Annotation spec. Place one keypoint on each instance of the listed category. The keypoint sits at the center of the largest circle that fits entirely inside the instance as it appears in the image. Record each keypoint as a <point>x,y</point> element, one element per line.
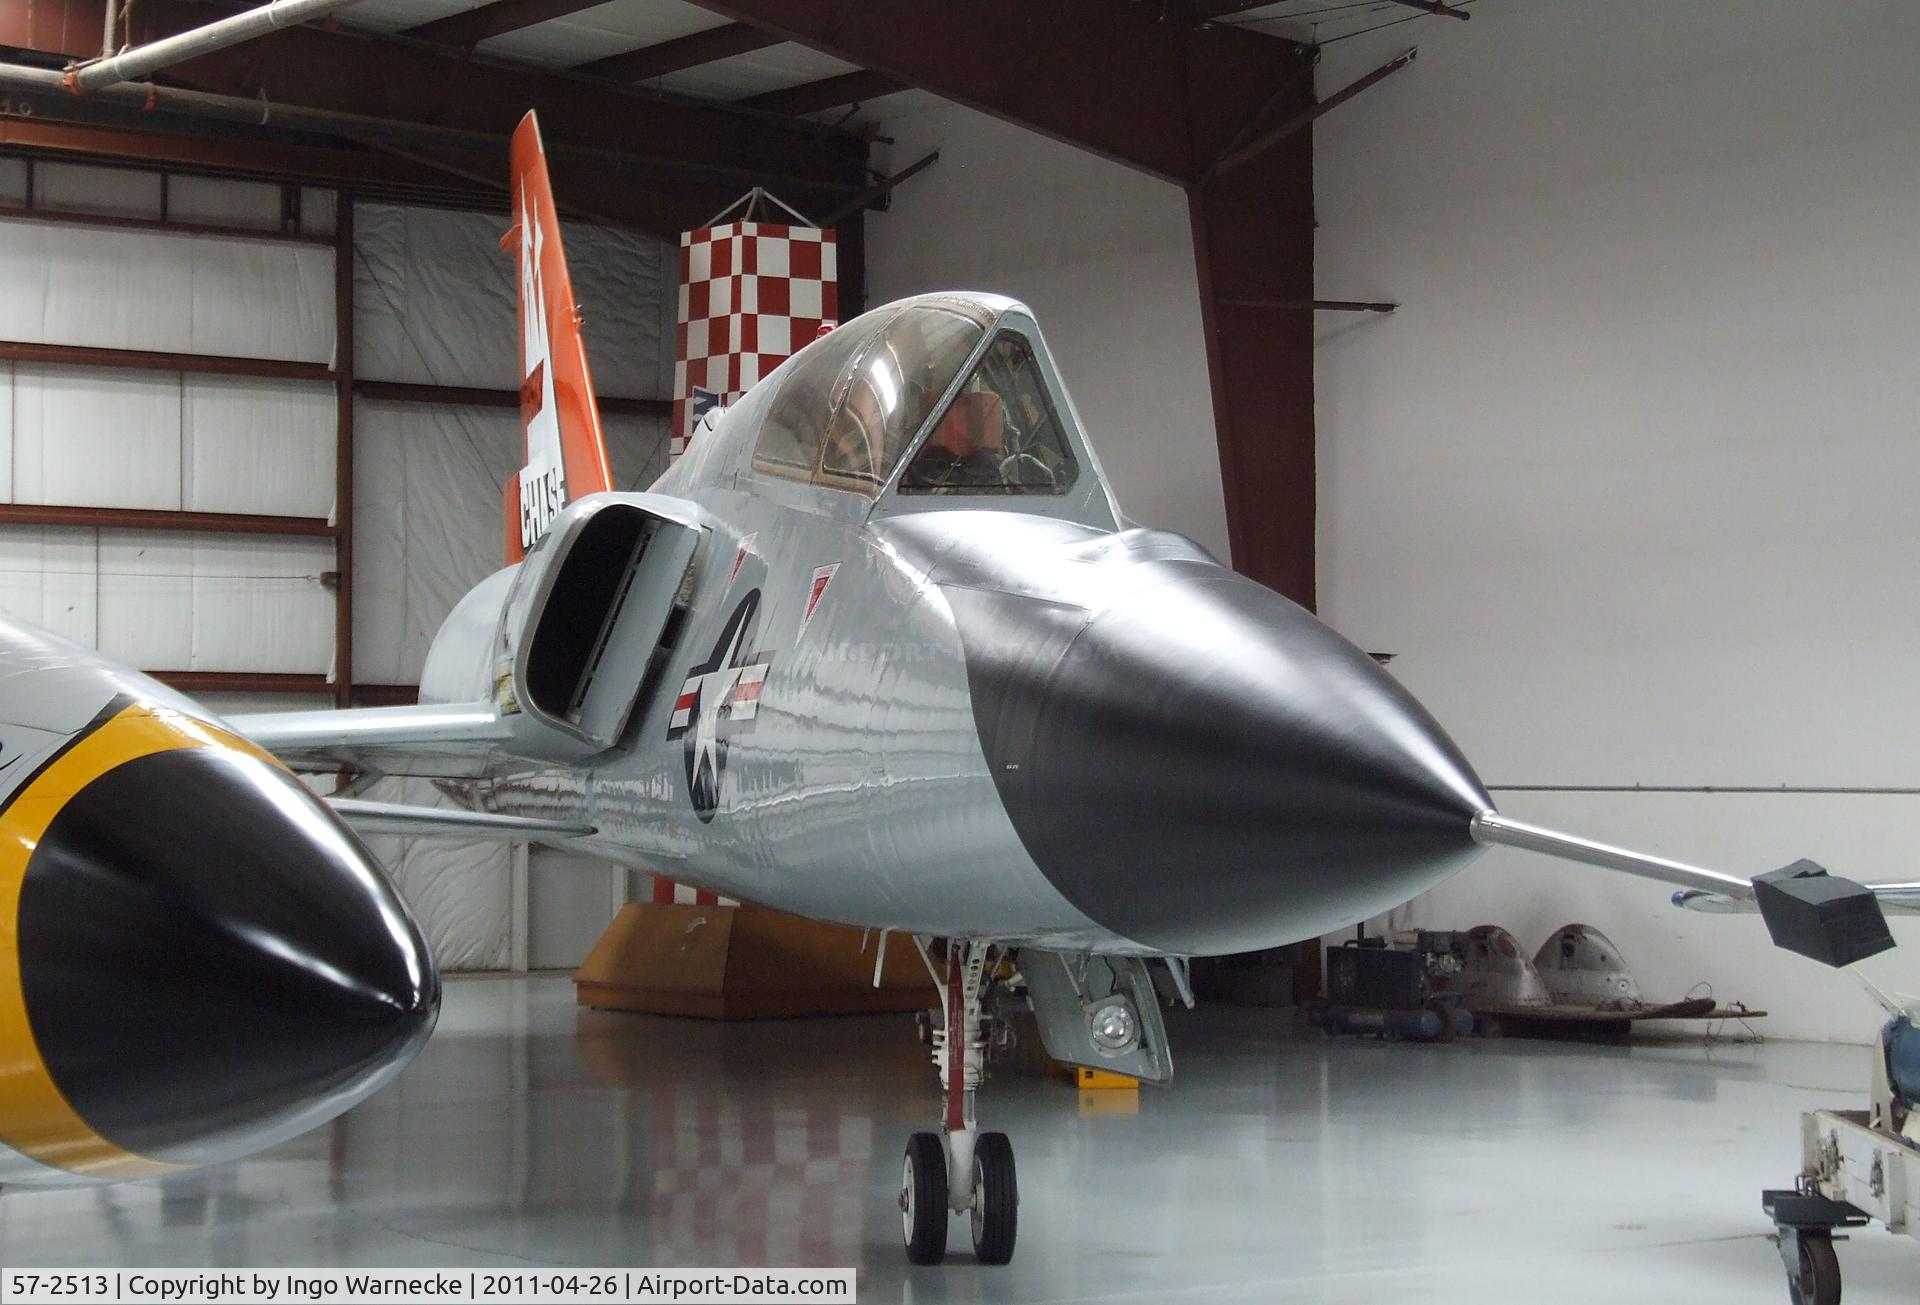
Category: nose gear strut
<point>960,1169</point>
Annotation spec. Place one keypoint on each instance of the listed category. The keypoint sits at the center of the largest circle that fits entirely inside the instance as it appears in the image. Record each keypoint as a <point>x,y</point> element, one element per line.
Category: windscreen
<point>857,399</point>
<point>1000,435</point>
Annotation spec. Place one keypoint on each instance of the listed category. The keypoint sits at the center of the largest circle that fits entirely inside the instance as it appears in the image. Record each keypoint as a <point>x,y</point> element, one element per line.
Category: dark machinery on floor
<point>1856,1166</point>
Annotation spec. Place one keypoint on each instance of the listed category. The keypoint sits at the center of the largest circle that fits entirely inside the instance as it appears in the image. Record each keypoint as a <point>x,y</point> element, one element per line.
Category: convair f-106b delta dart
<point>882,649</point>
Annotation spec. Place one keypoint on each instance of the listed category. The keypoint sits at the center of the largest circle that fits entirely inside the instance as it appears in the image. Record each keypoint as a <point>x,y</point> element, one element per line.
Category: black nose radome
<point>210,962</point>
<point>1203,767</point>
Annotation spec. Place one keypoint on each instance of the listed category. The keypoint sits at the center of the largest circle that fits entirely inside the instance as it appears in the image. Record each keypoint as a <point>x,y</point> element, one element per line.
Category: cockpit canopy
<point>851,405</point>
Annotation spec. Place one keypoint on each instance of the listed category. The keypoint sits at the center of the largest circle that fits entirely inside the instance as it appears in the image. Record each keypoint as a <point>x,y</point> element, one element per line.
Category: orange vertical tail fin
<point>565,449</point>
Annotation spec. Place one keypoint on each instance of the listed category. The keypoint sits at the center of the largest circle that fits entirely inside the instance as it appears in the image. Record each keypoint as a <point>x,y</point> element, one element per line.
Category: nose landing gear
<point>959,1169</point>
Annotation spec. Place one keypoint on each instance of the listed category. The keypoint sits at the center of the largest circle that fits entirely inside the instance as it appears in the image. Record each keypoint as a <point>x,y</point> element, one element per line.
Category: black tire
<point>1818,1282</point>
<point>996,1199</point>
<point>923,1199</point>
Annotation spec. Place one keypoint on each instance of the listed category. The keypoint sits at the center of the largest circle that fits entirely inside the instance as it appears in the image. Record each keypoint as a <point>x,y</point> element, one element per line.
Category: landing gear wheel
<point>996,1199</point>
<point>1818,1282</point>
<point>923,1199</point>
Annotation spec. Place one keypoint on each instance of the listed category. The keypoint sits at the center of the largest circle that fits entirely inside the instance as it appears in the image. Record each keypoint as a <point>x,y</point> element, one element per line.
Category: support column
<point>343,448</point>
<point>1253,240</point>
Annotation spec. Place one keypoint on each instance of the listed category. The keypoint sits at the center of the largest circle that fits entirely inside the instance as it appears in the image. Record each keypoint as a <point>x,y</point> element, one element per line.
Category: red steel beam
<point>386,695</point>
<point>152,146</point>
<point>211,523</point>
<point>827,93</point>
<point>243,682</point>
<point>156,224</point>
<point>1313,305</point>
<point>1212,9</point>
<point>69,27</point>
<point>343,449</point>
<point>364,695</point>
<point>470,27</point>
<point>1253,243</point>
<point>1154,89</point>
<point>410,392</point>
<point>200,364</point>
<point>663,207</point>
<point>1268,139</point>
<point>679,54</point>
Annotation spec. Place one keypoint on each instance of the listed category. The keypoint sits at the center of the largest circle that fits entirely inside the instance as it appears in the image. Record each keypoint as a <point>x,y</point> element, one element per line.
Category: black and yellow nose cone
<point>208,961</point>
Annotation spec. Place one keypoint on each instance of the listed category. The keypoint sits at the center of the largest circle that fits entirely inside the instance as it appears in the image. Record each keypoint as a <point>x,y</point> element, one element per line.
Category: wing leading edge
<point>433,741</point>
<point>394,818</point>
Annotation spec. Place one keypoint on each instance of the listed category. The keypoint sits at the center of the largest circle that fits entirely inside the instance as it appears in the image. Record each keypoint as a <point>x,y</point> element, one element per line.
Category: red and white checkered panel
<point>744,1180</point>
<point>752,294</point>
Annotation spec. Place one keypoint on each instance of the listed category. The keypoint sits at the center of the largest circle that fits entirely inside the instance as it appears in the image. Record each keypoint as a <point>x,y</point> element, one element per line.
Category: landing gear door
<point>1099,1011</point>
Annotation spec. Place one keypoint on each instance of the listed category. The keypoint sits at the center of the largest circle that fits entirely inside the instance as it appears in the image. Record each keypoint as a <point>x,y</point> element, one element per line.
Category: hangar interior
<point>1567,366</point>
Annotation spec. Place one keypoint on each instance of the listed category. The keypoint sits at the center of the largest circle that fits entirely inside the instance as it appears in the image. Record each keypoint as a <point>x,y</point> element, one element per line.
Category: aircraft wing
<point>393,818</point>
<point>434,741</point>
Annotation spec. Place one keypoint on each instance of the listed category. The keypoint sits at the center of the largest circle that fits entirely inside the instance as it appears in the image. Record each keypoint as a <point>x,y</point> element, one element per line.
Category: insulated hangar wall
<point>175,503</point>
<point>1627,480</point>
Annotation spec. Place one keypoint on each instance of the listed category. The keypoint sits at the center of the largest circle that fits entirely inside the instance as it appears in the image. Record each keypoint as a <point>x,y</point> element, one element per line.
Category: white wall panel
<point>636,450</point>
<point>265,300</point>
<point>569,905</point>
<point>427,517</point>
<point>458,891</point>
<point>96,437</point>
<point>317,208</point>
<point>215,602</point>
<point>80,285</point>
<point>165,291</point>
<point>1627,479</point>
<point>247,704</point>
<point>1104,257</point>
<point>78,188</point>
<point>146,599</point>
<point>223,201</point>
<point>259,604</point>
<point>6,432</point>
<point>49,576</point>
<point>13,181</point>
<point>427,523</point>
<point>435,300</point>
<point>258,445</point>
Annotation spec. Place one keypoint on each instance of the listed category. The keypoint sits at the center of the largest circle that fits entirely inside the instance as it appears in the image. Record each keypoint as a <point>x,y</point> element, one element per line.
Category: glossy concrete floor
<point>1276,1168</point>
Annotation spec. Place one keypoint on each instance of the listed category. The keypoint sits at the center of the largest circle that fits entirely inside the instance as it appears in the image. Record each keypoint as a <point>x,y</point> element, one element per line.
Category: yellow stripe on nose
<point>36,1119</point>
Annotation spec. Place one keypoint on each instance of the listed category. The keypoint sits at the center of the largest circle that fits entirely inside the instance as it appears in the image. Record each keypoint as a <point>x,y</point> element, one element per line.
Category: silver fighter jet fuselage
<point>975,711</point>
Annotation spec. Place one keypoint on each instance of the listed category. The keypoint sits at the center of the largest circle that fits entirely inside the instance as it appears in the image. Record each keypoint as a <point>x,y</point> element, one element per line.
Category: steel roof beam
<point>1157,91</point>
<point>827,93</point>
<point>472,26</point>
<point>302,70</point>
<point>679,54</point>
